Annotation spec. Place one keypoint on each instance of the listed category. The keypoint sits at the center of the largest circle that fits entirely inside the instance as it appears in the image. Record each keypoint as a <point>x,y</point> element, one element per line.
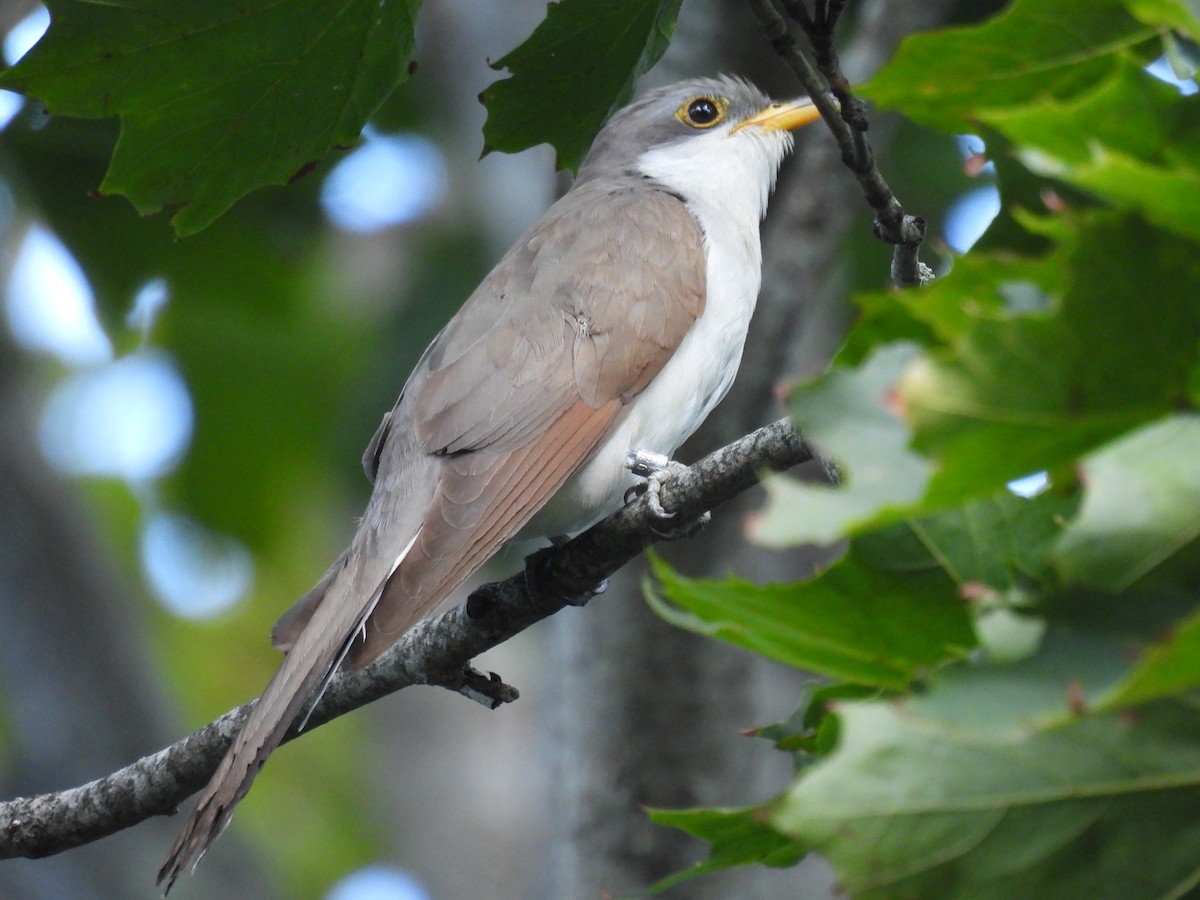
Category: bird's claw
<point>684,530</point>
<point>657,468</point>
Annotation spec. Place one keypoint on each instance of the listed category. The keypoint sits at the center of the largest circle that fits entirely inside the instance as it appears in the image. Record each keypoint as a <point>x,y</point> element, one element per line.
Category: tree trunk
<point>649,715</point>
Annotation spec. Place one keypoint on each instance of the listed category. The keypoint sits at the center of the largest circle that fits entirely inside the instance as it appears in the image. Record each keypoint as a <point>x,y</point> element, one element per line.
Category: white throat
<point>732,173</point>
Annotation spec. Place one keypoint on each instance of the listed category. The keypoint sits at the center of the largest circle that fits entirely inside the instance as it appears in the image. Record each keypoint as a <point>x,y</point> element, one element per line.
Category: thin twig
<point>775,28</point>
<point>437,651</point>
<point>847,120</point>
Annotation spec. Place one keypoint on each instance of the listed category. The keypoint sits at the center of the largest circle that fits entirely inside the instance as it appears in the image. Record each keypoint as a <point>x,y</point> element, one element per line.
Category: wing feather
<point>613,301</point>
<point>529,378</point>
<point>504,491</point>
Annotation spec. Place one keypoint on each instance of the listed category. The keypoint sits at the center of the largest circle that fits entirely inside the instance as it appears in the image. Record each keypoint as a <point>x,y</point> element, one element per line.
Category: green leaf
<point>1068,673</point>
<point>1133,140</point>
<point>1001,541</point>
<point>1104,806</point>
<point>812,730</point>
<point>218,98</point>
<point>1072,93</point>
<point>1143,494</point>
<point>1130,111</point>
<point>1033,51</point>
<point>847,416</point>
<point>580,65</point>
<point>739,837</point>
<point>1026,394</point>
<point>1182,15</point>
<point>854,622</point>
<point>996,550</point>
<point>1170,666</point>
<point>980,285</point>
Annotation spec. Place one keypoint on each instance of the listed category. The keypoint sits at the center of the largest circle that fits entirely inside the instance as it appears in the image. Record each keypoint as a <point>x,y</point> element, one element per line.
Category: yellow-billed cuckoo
<point>615,324</point>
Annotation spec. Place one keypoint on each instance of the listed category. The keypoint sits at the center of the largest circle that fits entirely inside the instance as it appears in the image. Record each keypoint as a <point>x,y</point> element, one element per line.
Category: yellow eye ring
<point>702,112</point>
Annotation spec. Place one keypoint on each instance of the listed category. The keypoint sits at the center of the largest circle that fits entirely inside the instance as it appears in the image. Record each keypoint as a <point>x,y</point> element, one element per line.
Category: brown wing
<point>533,372</point>
<point>588,306</point>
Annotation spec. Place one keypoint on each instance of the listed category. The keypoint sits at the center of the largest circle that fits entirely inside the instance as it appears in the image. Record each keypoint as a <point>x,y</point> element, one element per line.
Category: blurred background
<point>181,424</point>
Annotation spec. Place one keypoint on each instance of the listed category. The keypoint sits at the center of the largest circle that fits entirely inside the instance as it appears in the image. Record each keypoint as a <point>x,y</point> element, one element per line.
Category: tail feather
<point>356,635</point>
<point>287,628</point>
<point>295,687</point>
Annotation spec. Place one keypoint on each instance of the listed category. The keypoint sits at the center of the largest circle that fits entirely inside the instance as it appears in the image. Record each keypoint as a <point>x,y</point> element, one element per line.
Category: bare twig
<point>847,120</point>
<point>437,651</point>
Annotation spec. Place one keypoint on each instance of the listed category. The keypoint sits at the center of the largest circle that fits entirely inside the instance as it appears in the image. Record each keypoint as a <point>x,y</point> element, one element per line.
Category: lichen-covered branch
<point>437,651</point>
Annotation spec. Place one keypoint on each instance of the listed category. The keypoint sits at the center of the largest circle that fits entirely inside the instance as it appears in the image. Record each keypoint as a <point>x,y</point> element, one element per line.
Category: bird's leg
<point>657,468</point>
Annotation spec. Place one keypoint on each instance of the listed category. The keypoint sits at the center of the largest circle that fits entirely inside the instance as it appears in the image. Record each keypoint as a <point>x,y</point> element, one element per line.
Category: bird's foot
<point>533,562</point>
<point>657,468</point>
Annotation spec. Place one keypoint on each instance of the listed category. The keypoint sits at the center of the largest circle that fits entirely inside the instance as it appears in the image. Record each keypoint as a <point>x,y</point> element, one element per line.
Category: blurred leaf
<point>1130,111</point>
<point>218,98</point>
<point>1134,140</point>
<point>1104,806</point>
<point>1170,666</point>
<point>284,374</point>
<point>739,837</point>
<point>1033,51</point>
<point>854,622</point>
<point>1183,15</point>
<point>1142,505</point>
<point>979,285</point>
<point>1025,394</point>
<point>243,326</point>
<point>812,730</point>
<point>847,416</point>
<point>1068,673</point>
<point>997,541</point>
<point>1022,193</point>
<point>580,66</point>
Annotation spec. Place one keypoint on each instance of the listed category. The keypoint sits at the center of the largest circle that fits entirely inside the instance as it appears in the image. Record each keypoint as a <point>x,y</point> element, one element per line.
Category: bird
<point>613,325</point>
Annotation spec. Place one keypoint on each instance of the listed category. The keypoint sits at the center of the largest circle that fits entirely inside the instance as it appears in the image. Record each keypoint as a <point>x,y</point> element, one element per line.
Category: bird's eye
<point>701,112</point>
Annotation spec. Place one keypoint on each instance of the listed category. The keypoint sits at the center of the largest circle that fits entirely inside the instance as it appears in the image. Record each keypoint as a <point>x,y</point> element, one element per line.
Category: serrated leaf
<point>1105,806</point>
<point>853,622</point>
<point>739,837</point>
<point>579,66</point>
<point>218,98</point>
<point>1032,51</point>
<point>812,729</point>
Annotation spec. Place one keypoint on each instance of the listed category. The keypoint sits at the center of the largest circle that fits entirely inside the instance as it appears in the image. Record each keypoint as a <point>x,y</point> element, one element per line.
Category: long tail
<point>305,670</point>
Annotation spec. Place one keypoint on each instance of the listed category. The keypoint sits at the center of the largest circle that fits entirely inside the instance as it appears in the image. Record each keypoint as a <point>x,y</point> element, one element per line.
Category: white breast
<point>726,179</point>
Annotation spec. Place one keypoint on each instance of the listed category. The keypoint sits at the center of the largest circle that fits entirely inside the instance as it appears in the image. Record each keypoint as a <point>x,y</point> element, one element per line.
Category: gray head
<point>699,136</point>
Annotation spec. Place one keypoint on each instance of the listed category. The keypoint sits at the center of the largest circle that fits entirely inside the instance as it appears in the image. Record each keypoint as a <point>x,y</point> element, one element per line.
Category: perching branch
<point>845,115</point>
<point>437,651</point>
